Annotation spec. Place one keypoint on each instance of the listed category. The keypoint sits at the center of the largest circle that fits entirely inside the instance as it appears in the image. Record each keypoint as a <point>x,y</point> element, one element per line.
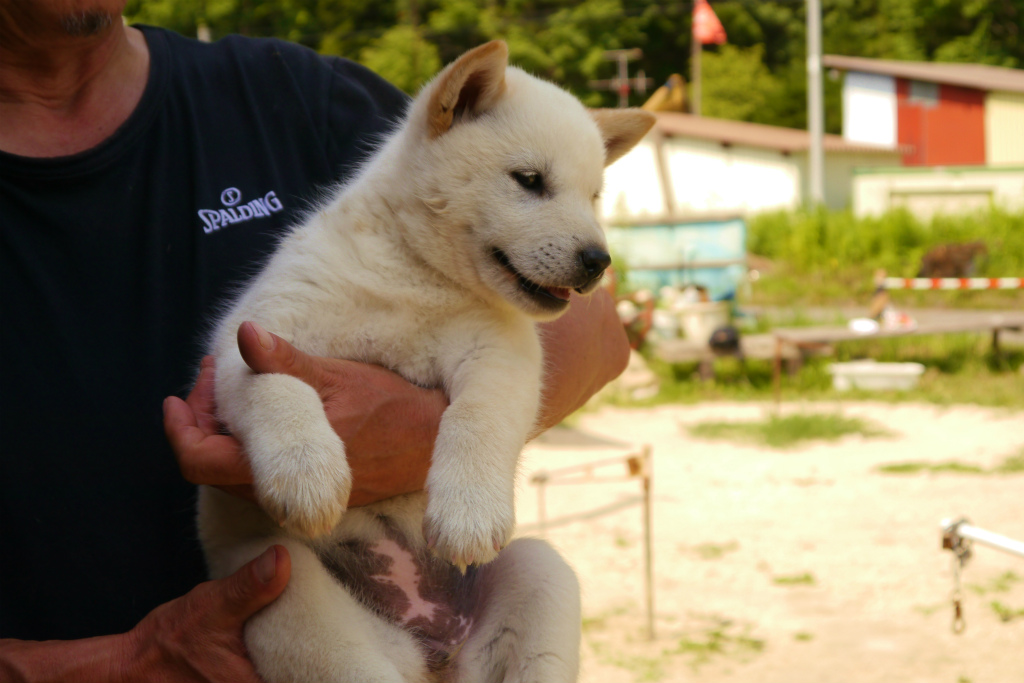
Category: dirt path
<point>790,566</point>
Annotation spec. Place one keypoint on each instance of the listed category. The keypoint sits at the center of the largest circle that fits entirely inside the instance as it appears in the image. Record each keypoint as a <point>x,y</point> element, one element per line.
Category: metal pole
<point>954,529</point>
<point>815,105</point>
<point>623,80</point>
<point>648,552</point>
<point>542,513</point>
<point>695,52</point>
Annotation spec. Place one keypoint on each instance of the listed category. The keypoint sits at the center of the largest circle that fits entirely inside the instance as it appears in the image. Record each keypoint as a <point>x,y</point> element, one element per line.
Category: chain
<point>959,623</point>
<point>961,549</point>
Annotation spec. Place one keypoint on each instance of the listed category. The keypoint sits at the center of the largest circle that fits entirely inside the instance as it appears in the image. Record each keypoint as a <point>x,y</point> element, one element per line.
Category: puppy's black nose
<point>594,261</point>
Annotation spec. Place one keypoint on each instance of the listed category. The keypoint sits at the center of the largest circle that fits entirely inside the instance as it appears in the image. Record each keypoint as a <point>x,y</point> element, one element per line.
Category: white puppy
<point>472,221</point>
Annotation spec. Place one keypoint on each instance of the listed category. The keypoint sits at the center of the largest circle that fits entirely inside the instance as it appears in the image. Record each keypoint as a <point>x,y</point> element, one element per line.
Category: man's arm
<point>388,425</point>
<point>194,639</point>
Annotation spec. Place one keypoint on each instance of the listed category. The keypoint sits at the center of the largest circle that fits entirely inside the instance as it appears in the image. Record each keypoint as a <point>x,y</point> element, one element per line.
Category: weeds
<point>949,467</point>
<point>959,368</point>
<point>717,641</point>
<point>789,430</point>
<point>1001,584</point>
<point>1014,464</point>
<point>1005,613</point>
<point>711,639</point>
<point>805,579</point>
<point>712,551</point>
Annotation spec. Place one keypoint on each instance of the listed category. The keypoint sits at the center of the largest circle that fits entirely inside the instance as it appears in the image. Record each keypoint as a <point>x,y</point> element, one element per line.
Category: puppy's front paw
<point>466,526</point>
<point>307,486</point>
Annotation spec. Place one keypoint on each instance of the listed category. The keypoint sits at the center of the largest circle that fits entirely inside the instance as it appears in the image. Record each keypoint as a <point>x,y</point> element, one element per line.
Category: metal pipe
<point>815,105</point>
<point>954,529</point>
<point>648,544</point>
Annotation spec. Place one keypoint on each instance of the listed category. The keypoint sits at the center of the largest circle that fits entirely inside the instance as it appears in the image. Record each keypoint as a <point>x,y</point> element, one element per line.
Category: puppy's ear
<point>621,129</point>
<point>468,86</point>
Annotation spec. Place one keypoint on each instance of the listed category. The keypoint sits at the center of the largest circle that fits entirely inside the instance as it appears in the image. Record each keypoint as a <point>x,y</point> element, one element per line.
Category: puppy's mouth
<point>549,297</point>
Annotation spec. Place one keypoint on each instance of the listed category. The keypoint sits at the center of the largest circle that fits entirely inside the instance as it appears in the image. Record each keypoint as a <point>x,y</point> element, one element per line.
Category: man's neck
<point>61,94</point>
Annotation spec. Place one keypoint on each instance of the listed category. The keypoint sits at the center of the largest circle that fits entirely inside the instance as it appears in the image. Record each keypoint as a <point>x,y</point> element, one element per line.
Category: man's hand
<point>583,350</point>
<point>387,424</point>
<point>194,639</point>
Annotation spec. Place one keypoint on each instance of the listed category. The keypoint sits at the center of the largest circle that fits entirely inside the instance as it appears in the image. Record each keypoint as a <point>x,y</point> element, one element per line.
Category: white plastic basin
<point>872,375</point>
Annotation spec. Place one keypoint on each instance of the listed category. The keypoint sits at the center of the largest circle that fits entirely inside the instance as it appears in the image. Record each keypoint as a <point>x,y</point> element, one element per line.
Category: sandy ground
<point>868,589</point>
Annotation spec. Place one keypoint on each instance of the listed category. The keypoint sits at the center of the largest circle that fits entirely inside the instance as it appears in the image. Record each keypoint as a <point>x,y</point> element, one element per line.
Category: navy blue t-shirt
<point>112,265</point>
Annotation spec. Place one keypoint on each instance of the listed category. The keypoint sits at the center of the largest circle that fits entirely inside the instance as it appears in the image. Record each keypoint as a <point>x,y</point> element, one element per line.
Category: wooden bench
<point>757,346</point>
<point>807,339</point>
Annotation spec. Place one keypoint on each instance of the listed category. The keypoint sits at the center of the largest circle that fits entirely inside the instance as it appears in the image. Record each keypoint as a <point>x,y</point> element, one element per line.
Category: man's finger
<point>265,352</point>
<point>201,399</point>
<point>203,458</point>
<point>250,589</point>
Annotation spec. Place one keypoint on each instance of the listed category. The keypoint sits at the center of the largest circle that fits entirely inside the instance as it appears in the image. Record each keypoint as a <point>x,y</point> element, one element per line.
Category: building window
<point>924,93</point>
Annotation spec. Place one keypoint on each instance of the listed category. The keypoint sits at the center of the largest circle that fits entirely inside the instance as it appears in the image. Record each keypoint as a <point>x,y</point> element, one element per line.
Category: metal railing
<point>958,537</point>
<point>638,466</point>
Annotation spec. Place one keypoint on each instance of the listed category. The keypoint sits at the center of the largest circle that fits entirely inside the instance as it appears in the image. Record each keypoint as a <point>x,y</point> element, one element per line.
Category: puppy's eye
<point>529,180</point>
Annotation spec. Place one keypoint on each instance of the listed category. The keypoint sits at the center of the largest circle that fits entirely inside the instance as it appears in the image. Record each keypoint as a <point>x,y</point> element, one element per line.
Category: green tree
<point>402,56</point>
<point>736,83</point>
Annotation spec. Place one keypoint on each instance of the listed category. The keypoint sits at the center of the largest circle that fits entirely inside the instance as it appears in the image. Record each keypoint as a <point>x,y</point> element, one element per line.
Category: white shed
<point>691,166</point>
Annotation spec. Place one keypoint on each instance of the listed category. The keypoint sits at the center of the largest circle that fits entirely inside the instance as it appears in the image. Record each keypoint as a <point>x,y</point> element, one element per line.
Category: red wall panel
<point>945,132</point>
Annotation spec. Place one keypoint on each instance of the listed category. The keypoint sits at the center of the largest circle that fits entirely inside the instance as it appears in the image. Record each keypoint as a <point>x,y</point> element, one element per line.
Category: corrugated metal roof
<point>728,132</point>
<point>978,76</point>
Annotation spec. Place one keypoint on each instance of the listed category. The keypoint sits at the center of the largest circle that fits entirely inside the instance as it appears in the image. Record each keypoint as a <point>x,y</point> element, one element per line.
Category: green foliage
<point>832,255</point>
<point>403,57</point>
<point>737,84</point>
<point>563,40</point>
<point>789,430</point>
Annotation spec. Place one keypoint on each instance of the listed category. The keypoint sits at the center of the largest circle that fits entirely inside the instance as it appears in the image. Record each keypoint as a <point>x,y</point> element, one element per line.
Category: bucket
<point>700,319</point>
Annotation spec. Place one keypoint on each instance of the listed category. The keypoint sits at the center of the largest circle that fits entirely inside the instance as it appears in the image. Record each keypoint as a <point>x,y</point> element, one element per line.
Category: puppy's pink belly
<point>415,590</point>
<point>428,603</point>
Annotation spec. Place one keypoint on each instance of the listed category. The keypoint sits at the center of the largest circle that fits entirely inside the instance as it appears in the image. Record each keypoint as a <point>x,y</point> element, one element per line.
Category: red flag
<point>706,26</point>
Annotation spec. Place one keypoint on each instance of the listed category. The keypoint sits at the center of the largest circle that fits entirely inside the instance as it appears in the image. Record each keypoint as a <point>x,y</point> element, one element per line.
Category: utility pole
<point>621,83</point>
<point>815,105</point>
<point>696,50</point>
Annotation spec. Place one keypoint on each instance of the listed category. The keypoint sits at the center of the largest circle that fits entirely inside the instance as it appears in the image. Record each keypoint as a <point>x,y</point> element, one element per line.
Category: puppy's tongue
<point>558,292</point>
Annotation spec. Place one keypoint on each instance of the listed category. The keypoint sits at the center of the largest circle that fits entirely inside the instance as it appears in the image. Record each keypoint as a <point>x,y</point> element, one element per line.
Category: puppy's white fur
<point>410,267</point>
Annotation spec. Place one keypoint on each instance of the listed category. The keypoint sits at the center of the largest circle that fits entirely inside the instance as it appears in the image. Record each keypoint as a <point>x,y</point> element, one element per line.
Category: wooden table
<point>805,339</point>
<point>758,346</point>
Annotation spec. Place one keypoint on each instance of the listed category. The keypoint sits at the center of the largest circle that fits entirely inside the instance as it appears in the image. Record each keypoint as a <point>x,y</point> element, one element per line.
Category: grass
<point>1001,584</point>
<point>713,551</point>
<point>788,431</point>
<point>959,368</point>
<point>717,641</point>
<point>1013,464</point>
<point>805,579</point>
<point>822,258</point>
<point>1006,613</point>
<point>712,638</point>
<point>917,467</point>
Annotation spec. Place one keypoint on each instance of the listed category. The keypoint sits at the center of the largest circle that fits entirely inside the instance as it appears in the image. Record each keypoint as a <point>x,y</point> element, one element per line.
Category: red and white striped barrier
<point>954,283</point>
